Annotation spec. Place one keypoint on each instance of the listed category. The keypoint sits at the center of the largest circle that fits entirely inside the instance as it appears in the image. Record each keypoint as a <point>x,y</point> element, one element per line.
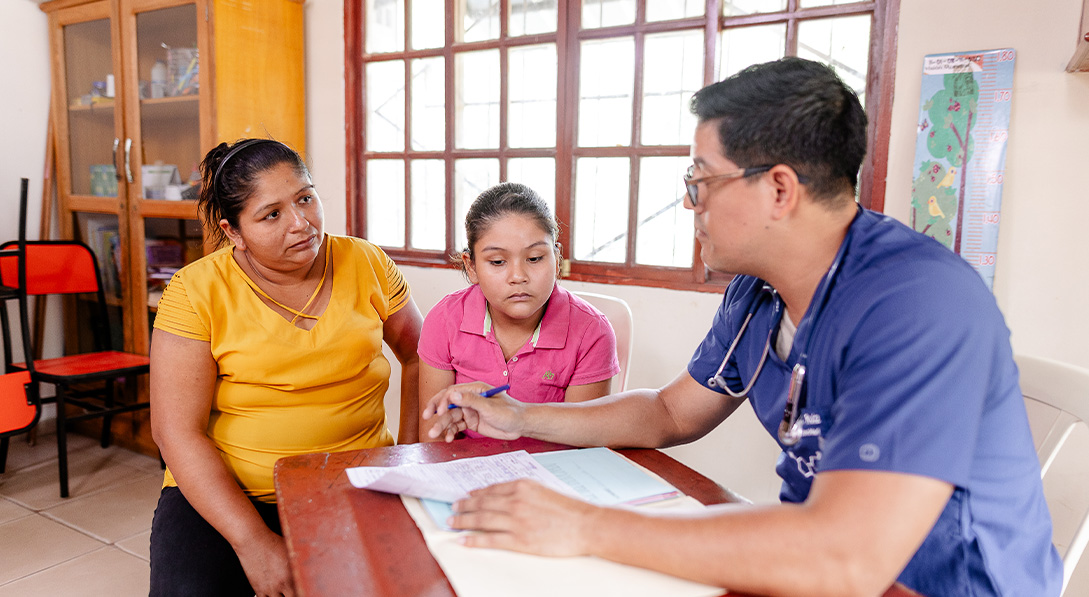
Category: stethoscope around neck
<point>790,428</point>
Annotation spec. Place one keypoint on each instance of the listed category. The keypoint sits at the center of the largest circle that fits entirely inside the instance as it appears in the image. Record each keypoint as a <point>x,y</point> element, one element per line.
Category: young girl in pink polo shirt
<point>515,325</point>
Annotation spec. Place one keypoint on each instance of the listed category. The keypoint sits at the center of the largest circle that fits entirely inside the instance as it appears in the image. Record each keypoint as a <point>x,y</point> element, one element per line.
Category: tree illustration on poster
<point>955,107</point>
<point>951,112</point>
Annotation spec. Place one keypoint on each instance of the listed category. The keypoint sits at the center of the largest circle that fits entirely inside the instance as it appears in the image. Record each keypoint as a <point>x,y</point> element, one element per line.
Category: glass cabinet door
<point>168,86</point>
<point>165,79</point>
<point>90,90</point>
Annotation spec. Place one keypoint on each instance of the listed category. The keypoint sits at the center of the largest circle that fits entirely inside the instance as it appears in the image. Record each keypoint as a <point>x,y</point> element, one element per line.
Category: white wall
<point>24,114</point>
<point>1040,282</point>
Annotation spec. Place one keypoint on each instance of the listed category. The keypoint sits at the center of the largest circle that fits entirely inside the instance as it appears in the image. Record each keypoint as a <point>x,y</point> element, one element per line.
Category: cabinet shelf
<point>176,99</point>
<point>167,108</point>
<point>92,204</point>
<point>185,209</point>
<point>103,107</point>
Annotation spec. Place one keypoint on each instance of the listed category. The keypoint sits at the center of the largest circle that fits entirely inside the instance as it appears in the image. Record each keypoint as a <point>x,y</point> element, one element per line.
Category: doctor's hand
<point>525,516</point>
<point>499,416</point>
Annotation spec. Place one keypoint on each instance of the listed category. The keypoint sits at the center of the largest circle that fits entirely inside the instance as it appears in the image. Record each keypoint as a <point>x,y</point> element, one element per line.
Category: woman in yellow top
<point>269,347</point>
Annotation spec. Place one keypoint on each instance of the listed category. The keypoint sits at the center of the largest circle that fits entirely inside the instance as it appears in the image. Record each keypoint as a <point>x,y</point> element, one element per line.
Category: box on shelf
<point>103,180</point>
<point>164,252</point>
<point>156,177</point>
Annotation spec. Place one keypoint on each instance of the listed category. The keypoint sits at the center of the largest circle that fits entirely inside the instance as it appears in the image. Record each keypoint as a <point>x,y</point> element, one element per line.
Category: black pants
<point>189,557</point>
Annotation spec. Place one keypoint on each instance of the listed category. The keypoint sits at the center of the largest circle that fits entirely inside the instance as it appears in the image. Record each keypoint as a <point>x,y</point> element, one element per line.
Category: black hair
<point>229,175</point>
<point>501,200</point>
<point>790,111</point>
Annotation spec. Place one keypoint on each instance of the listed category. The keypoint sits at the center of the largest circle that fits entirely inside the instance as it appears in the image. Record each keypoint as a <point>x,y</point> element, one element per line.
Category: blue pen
<point>486,394</point>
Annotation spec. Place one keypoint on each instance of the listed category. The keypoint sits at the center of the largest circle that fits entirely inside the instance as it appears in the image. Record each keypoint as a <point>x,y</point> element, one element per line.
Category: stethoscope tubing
<point>790,429</point>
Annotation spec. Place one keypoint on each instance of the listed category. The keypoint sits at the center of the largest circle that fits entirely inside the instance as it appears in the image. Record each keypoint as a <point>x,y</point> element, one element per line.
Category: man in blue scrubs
<point>909,457</point>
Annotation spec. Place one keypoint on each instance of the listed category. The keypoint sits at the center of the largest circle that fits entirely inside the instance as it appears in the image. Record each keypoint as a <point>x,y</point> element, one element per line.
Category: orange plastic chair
<point>86,380</point>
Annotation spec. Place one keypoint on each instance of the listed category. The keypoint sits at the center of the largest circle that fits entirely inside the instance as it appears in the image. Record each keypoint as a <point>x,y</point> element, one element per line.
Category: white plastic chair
<point>1066,389</point>
<point>619,315</point>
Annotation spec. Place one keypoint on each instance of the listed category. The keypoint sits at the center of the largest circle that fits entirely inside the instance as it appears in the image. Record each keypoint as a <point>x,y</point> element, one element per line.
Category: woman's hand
<point>500,416</point>
<point>525,516</point>
<point>264,559</point>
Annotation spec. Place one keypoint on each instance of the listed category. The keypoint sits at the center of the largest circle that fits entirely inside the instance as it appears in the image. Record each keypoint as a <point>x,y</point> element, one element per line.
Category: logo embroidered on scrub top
<point>548,376</point>
<point>806,466</point>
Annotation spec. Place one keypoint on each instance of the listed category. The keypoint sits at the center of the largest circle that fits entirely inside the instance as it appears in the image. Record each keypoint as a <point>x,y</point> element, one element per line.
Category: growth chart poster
<point>960,152</point>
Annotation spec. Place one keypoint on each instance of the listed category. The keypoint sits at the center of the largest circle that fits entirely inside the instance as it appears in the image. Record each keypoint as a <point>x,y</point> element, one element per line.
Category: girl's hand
<point>462,407</point>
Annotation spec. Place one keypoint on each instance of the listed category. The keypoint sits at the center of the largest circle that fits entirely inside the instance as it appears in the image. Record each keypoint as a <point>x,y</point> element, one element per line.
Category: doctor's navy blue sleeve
<point>731,312</point>
<point>916,376</point>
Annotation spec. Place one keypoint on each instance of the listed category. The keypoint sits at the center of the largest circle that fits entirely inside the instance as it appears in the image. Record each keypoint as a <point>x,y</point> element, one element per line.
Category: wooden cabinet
<point>142,89</point>
<point>1080,61</point>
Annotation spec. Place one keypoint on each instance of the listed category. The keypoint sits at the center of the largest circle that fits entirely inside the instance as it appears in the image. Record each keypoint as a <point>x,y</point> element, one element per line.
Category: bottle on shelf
<point>158,79</point>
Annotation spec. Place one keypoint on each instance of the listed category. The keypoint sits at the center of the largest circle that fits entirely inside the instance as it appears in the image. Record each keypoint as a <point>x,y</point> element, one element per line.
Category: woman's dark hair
<point>791,111</point>
<point>229,174</point>
<point>501,200</point>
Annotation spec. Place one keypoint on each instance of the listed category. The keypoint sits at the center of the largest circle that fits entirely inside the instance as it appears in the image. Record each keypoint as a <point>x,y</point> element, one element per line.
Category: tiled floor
<point>92,543</point>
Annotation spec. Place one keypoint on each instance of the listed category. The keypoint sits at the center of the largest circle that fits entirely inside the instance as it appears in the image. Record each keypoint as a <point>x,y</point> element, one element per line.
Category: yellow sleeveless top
<point>282,390</point>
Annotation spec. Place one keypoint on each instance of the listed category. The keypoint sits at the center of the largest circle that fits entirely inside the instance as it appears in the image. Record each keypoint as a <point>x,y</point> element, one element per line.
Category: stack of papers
<point>597,475</point>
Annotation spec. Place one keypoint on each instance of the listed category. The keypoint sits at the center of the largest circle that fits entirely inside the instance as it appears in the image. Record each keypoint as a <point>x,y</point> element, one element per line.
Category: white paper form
<point>451,481</point>
<point>475,572</point>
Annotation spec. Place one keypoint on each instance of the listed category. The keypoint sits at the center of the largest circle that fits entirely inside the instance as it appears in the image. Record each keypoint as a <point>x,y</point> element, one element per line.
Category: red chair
<point>86,380</point>
<point>20,409</point>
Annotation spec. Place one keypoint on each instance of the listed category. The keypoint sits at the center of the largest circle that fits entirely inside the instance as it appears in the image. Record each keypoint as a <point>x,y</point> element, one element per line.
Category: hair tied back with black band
<point>235,150</point>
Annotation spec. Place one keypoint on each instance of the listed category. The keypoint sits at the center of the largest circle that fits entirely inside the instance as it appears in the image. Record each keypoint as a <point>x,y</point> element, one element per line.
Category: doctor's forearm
<point>633,419</point>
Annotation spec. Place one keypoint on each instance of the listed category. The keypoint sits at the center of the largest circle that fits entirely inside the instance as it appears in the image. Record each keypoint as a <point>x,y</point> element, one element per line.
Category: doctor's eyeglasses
<point>692,184</point>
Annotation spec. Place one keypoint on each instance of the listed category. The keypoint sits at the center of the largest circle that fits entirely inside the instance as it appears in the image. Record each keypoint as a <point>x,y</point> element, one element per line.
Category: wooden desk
<point>348,541</point>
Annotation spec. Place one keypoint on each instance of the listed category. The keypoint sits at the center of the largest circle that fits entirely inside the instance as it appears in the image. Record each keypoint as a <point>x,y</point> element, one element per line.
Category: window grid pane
<point>428,204</point>
<point>528,17</point>
<point>479,20</point>
<point>428,24</point>
<point>665,10</point>
<point>601,209</point>
<point>606,85</point>
<point>673,71</point>
<point>531,96</point>
<point>386,205</point>
<point>429,104</point>
<point>842,43</point>
<point>477,94</point>
<point>538,174</point>
<point>732,8</point>
<point>607,13</point>
<point>385,25</point>
<point>664,233</point>
<point>386,106</point>
<point>471,178</point>
<point>740,47</point>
